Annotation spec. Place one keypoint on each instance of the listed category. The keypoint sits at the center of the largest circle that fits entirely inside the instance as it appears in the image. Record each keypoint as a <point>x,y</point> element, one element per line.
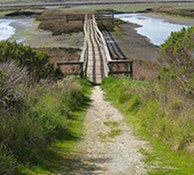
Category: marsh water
<point>5,29</point>
<point>16,28</point>
<point>157,30</point>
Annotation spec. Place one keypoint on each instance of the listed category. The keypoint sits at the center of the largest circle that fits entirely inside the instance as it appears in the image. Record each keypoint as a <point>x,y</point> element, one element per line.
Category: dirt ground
<point>108,146</point>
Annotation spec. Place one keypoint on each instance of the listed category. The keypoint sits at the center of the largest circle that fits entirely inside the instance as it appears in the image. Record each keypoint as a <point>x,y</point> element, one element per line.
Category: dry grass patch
<point>62,54</point>
<point>174,11</point>
<point>146,70</point>
<point>56,21</point>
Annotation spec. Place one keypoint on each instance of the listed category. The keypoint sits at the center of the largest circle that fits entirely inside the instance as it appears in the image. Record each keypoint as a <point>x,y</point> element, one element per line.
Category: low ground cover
<point>168,126</point>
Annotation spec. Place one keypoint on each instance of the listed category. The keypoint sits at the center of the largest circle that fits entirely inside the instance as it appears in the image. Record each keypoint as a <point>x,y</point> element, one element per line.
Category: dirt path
<point>108,147</point>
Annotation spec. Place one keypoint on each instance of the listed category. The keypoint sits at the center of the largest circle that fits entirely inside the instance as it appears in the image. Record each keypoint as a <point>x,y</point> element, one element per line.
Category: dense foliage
<point>46,116</point>
<point>37,62</point>
<point>13,81</point>
<point>177,59</point>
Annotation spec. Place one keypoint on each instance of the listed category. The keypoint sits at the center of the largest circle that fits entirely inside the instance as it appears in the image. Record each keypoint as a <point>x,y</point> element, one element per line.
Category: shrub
<point>13,81</point>
<point>177,57</point>
<point>55,107</point>
<point>37,62</point>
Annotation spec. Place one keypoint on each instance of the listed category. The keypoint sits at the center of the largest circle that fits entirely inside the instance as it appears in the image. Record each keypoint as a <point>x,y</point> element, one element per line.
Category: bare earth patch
<point>108,146</point>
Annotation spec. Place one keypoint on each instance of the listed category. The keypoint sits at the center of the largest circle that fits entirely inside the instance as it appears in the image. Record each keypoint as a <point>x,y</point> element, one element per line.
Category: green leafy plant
<point>37,62</point>
<point>177,59</point>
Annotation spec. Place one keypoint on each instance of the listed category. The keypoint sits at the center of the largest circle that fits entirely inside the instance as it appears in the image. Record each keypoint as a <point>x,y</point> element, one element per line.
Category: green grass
<point>168,131</point>
<point>56,157</point>
<point>39,140</point>
<point>164,161</point>
<point>114,132</point>
<point>111,124</point>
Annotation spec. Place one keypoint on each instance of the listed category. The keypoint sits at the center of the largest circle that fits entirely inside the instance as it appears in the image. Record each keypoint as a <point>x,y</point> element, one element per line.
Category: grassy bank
<point>168,126</point>
<point>43,133</point>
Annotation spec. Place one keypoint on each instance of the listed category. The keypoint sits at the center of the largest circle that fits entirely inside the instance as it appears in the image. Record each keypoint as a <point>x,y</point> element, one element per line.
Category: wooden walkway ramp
<point>95,54</point>
<point>95,61</point>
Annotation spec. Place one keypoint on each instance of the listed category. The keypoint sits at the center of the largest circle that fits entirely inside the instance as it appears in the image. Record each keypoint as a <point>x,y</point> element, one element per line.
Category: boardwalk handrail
<point>103,46</point>
<point>128,67</point>
<point>107,54</point>
<point>84,55</point>
<point>95,60</point>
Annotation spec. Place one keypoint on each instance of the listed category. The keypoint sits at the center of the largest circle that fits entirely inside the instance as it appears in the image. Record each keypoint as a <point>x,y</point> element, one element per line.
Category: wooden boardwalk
<point>95,61</point>
<point>97,53</point>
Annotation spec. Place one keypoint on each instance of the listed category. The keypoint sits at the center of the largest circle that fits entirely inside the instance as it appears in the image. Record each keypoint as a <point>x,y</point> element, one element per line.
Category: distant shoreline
<point>68,4</point>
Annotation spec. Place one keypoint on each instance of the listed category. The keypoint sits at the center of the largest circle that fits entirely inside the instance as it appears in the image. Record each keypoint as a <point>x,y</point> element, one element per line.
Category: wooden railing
<point>103,46</point>
<point>84,53</point>
<point>111,67</point>
<point>117,67</point>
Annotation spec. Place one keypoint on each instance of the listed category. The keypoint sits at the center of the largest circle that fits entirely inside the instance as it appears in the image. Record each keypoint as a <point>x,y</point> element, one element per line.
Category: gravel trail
<point>108,146</point>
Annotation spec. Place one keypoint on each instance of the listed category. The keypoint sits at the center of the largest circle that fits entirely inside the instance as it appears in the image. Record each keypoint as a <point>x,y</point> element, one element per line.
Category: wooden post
<point>131,69</point>
<point>67,18</point>
<point>112,18</point>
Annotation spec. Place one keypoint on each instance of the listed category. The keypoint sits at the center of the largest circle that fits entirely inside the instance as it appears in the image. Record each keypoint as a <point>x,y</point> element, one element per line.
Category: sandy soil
<point>99,153</point>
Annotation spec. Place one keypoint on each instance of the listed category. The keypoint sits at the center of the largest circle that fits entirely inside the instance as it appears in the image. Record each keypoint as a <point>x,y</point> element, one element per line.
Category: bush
<point>177,60</point>
<point>37,62</point>
<point>13,81</point>
<point>55,107</point>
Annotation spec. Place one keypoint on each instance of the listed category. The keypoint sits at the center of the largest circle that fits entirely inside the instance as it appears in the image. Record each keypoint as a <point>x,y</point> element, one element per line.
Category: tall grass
<point>49,115</point>
<point>168,125</point>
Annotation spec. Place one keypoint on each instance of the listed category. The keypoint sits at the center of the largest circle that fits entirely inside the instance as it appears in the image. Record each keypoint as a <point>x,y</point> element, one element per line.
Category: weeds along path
<point>108,147</point>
